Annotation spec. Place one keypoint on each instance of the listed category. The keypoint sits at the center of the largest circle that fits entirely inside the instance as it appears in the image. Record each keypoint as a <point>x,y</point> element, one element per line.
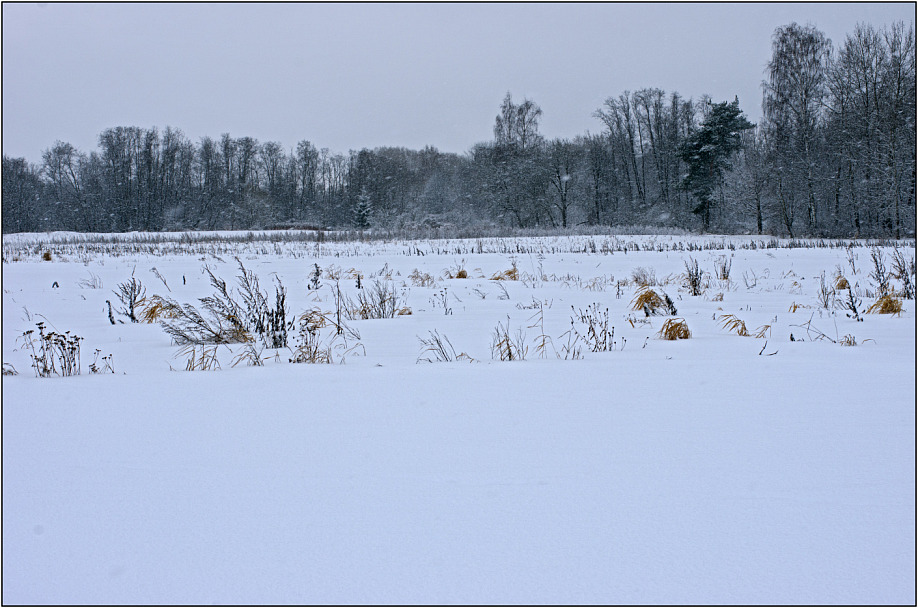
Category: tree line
<point>834,156</point>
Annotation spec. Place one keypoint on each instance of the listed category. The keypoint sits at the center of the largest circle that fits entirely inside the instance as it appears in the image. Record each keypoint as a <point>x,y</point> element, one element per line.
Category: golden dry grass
<point>333,273</point>
<point>841,283</point>
<point>761,331</point>
<point>236,333</point>
<point>886,305</point>
<point>508,275</point>
<point>675,329</point>
<point>647,297</point>
<point>461,273</point>
<point>154,308</point>
<point>204,361</point>
<point>734,324</point>
<point>314,318</point>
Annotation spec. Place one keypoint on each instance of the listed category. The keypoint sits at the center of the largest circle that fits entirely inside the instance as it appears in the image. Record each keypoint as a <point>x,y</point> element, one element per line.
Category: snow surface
<point>689,472</point>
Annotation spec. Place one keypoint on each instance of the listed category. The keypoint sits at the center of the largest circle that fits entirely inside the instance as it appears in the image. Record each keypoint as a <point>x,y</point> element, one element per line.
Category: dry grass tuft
<point>886,305</point>
<point>511,274</point>
<point>652,303</point>
<point>734,324</point>
<point>377,301</point>
<point>250,355</point>
<point>506,347</point>
<point>422,279</point>
<point>314,318</point>
<point>440,350</point>
<point>46,256</point>
<point>333,273</point>
<point>154,308</point>
<point>646,297</point>
<point>643,277</point>
<point>203,361</point>
<point>458,271</point>
<point>761,331</point>
<point>841,283</point>
<point>675,329</point>
<point>848,340</point>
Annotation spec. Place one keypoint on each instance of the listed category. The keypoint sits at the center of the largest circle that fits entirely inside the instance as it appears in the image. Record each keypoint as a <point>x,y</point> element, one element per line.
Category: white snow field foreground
<point>712,470</point>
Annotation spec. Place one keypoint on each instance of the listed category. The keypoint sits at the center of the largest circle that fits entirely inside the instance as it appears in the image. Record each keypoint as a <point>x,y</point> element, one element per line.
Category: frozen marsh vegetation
<point>517,421</point>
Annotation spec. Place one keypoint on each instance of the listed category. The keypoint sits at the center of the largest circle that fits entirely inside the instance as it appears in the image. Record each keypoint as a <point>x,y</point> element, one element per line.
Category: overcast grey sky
<point>346,76</point>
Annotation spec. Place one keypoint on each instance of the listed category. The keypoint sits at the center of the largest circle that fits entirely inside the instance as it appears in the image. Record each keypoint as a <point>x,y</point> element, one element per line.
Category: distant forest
<point>833,156</point>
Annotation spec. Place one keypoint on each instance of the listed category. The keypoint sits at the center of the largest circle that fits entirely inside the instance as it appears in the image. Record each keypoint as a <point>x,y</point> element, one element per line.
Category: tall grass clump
<point>736,325</point>
<point>203,360</point>
<point>652,303</point>
<point>675,329</point>
<point>507,347</point>
<point>314,347</point>
<point>422,279</point>
<point>511,274</point>
<point>156,308</point>
<point>886,305</point>
<point>457,271</point>
<point>310,347</point>
<point>378,301</point>
<point>643,277</point>
<point>229,318</point>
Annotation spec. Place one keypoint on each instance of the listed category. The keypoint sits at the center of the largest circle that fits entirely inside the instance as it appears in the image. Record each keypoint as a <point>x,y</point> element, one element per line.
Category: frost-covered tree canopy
<point>833,156</point>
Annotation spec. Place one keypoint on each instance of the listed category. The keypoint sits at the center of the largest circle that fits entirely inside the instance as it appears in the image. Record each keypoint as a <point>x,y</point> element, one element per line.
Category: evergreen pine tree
<point>707,153</point>
<point>362,210</point>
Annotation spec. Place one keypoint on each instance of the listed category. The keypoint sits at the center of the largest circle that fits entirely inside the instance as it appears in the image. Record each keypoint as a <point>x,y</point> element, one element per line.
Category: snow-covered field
<point>720,469</point>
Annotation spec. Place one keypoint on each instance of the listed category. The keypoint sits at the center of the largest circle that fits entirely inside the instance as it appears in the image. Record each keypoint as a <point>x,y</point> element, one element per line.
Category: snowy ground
<point>713,470</point>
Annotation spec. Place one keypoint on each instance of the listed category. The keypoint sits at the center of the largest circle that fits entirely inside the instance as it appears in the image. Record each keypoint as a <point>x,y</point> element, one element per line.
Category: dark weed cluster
<point>52,353</point>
